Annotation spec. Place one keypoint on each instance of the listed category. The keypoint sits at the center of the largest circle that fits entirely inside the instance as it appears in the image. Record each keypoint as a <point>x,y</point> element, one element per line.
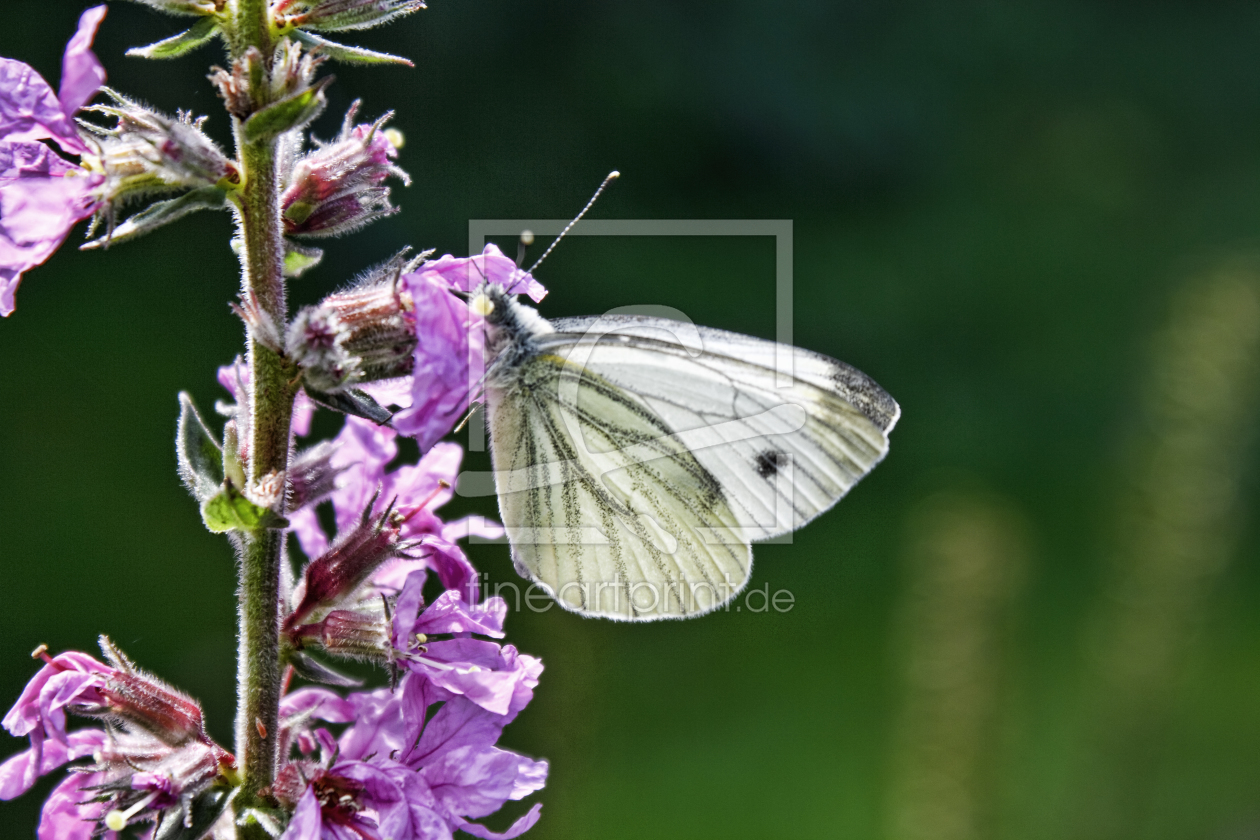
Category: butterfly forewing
<point>782,453</point>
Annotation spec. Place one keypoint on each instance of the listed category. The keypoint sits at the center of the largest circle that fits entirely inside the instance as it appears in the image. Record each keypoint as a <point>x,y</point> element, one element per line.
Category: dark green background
<point>993,204</point>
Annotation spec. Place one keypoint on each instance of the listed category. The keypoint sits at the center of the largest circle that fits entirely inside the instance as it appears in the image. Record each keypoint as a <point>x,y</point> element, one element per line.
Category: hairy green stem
<point>272,387</point>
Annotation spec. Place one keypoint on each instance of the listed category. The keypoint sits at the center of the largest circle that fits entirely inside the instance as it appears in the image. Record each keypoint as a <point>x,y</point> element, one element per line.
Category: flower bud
<point>289,74</point>
<point>338,572</point>
<point>360,335</point>
<point>128,694</point>
<point>350,634</point>
<point>334,15</point>
<point>312,477</point>
<point>339,187</point>
<point>148,152</point>
<point>145,782</point>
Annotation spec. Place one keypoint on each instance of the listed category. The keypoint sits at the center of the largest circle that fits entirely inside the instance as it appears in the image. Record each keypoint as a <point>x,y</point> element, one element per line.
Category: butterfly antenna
<point>612,176</point>
<point>467,417</point>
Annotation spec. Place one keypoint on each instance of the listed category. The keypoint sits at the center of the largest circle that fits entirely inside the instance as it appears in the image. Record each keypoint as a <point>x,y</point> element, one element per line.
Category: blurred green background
<point>1032,221</point>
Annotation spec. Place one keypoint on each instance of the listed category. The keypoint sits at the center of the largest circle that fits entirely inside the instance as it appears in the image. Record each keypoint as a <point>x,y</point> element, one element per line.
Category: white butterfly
<point>636,458</point>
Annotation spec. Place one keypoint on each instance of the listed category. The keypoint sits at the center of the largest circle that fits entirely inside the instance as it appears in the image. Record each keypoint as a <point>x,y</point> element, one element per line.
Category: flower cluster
<point>150,761</point>
<point>417,761</point>
<point>400,353</point>
<point>400,770</point>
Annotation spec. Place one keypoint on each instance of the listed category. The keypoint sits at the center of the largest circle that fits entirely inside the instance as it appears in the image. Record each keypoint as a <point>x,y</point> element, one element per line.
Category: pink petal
<point>449,360</point>
<point>307,819</point>
<point>522,825</point>
<point>41,198</point>
<point>29,110</point>
<point>81,73</point>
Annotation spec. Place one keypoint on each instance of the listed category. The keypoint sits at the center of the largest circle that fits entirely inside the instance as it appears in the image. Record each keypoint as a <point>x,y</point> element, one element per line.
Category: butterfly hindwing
<point>603,505</point>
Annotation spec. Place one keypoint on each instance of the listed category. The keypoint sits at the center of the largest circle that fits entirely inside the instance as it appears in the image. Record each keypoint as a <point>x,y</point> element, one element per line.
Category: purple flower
<point>154,756</point>
<point>20,772</point>
<point>450,349</point>
<point>70,678</point>
<point>402,773</point>
<point>362,452</point>
<point>42,195</point>
<point>496,678</point>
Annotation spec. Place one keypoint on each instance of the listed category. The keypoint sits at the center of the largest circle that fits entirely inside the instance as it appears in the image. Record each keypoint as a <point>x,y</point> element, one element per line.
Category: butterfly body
<point>636,458</point>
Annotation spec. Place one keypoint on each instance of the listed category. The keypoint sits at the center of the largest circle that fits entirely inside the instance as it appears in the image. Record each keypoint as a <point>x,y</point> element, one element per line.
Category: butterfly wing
<point>784,449</point>
<point>636,458</point>
<point>603,506</point>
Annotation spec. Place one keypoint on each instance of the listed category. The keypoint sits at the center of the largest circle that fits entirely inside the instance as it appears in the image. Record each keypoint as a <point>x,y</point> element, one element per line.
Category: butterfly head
<point>511,326</point>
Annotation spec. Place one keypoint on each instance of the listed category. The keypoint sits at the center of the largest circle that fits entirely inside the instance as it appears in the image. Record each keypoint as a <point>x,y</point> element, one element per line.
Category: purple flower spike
<point>41,195</point>
<point>450,353</point>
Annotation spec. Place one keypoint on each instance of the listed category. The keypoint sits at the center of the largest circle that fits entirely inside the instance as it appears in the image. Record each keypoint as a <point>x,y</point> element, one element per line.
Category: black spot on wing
<point>769,462</point>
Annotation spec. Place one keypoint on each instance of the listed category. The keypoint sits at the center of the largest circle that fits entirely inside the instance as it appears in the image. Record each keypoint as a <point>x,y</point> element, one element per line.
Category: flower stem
<point>272,386</point>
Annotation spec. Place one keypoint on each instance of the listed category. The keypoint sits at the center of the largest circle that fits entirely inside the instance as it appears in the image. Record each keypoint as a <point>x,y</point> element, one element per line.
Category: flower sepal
<point>335,15</point>
<point>349,634</point>
<point>185,7</point>
<point>298,259</point>
<point>160,214</point>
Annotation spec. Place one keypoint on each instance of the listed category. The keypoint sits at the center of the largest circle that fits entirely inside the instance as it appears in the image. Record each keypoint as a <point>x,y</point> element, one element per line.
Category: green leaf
<point>341,52</point>
<point>309,668</point>
<point>203,813</point>
<point>199,455</point>
<point>162,213</point>
<point>292,112</point>
<point>229,510</point>
<point>177,45</point>
<point>351,401</point>
<point>299,258</point>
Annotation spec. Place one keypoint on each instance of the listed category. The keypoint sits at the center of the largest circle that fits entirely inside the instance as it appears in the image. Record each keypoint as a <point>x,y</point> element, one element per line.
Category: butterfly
<point>637,458</point>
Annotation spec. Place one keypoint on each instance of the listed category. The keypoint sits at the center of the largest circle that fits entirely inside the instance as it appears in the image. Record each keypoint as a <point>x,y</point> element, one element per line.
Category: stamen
<point>117,820</point>
<point>471,411</point>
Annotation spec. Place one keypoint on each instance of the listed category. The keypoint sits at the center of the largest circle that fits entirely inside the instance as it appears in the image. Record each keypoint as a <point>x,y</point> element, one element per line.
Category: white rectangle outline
<point>781,229</point>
